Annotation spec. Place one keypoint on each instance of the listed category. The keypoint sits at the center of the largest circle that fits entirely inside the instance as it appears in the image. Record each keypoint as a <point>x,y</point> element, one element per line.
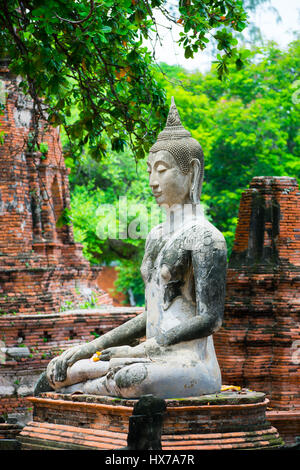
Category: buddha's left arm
<point>209,267</point>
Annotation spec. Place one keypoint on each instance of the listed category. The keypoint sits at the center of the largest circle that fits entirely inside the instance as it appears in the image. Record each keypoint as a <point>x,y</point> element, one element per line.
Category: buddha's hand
<point>143,350</point>
<point>57,368</point>
<point>117,351</point>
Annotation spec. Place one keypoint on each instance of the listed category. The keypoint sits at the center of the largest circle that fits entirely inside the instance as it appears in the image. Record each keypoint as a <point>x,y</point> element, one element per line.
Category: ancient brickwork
<point>257,345</point>
<point>204,423</point>
<point>9,431</point>
<point>41,268</point>
<point>31,341</point>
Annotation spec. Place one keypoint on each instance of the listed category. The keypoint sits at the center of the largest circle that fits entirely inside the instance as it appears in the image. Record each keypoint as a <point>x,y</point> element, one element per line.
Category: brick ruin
<point>257,344</point>
<point>41,267</point>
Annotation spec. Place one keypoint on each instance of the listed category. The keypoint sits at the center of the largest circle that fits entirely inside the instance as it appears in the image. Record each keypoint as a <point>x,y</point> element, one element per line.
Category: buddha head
<point>175,164</point>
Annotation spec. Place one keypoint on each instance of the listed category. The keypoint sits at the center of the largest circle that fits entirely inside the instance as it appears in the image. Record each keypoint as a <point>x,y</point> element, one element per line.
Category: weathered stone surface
<point>145,424</point>
<point>6,386</point>
<point>15,353</point>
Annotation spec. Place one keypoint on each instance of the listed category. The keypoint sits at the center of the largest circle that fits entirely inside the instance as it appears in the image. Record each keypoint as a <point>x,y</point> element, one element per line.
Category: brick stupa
<point>41,267</point>
<point>257,345</point>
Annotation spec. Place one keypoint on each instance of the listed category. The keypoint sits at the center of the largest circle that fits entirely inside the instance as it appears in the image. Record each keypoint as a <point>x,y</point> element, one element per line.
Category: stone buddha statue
<point>184,270</point>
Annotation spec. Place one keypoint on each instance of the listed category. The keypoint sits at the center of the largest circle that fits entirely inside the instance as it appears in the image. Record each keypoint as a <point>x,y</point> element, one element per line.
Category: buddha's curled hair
<point>178,142</point>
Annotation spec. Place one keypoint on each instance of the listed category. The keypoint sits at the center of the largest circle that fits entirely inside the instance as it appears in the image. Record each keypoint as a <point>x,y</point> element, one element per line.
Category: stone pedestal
<point>229,420</point>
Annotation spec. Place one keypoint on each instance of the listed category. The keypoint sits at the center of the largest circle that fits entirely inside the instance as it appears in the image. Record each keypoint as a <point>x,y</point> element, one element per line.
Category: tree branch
<point>92,7</point>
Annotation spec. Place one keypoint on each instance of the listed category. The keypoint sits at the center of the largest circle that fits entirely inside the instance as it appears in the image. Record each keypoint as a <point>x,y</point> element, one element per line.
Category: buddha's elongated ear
<point>196,182</point>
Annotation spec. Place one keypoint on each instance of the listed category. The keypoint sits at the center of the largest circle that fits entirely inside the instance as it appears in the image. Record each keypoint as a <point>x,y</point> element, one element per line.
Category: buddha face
<point>169,185</point>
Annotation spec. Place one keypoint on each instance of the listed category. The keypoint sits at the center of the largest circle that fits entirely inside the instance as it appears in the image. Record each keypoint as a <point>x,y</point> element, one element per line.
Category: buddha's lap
<point>139,369</point>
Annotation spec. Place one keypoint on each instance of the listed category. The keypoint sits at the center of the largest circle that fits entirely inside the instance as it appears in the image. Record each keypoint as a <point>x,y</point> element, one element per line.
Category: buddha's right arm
<point>121,335</point>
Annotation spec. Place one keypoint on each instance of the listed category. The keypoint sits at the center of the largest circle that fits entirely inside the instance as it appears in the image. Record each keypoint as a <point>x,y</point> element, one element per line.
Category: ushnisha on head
<point>175,146</point>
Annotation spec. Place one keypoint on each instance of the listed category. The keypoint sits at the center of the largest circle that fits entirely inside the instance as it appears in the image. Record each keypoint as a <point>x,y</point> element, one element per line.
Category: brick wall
<point>41,267</point>
<point>256,345</point>
<point>43,337</point>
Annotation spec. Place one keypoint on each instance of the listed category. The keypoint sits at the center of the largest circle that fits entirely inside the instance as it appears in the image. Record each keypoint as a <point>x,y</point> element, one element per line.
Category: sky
<point>264,18</point>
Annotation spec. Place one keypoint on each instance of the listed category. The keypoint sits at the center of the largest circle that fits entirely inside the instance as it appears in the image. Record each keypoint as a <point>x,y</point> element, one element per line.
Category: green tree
<point>91,53</point>
<point>100,186</point>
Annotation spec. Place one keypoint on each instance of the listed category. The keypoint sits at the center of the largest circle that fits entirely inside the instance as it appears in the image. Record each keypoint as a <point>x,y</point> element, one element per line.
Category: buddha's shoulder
<point>196,232</point>
<point>203,226</point>
<point>155,232</point>
<point>204,233</point>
